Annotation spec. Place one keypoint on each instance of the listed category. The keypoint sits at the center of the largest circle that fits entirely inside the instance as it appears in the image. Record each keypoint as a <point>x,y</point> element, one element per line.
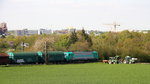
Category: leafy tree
<point>73,38</point>
<point>62,43</point>
<point>79,46</point>
<point>86,37</point>
<point>40,44</point>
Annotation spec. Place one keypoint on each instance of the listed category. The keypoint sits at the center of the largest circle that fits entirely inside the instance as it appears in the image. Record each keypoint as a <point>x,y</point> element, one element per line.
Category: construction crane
<point>114,25</point>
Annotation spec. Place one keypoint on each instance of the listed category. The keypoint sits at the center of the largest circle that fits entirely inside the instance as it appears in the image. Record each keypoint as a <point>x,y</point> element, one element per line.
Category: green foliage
<point>62,43</point>
<point>86,37</point>
<point>79,46</point>
<point>73,38</point>
<point>108,44</point>
<point>123,43</point>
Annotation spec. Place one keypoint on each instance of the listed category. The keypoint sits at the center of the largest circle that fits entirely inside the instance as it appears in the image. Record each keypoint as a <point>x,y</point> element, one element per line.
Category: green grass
<point>89,73</point>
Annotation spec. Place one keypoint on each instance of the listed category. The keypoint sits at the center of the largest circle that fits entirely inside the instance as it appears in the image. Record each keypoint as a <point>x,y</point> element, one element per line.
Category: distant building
<point>31,32</point>
<point>19,33</point>
<point>63,31</point>
<point>143,31</point>
<point>3,28</point>
<point>44,31</point>
<point>26,32</point>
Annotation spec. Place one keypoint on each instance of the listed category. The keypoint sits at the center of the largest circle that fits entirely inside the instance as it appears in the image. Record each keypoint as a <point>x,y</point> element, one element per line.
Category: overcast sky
<point>90,14</point>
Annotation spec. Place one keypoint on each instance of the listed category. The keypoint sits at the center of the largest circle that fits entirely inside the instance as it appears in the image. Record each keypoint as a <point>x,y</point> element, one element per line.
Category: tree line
<point>109,44</point>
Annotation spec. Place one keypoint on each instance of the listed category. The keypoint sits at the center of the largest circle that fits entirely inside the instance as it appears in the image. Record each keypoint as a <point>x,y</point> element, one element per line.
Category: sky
<point>90,14</point>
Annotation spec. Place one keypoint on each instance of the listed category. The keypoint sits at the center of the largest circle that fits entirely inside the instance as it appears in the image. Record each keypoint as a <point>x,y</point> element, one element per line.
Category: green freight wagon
<point>23,57</point>
<point>55,56</point>
<point>81,56</point>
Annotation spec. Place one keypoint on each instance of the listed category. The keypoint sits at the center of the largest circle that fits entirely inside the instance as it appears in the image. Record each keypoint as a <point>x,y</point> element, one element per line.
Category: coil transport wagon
<point>52,56</point>
<point>55,56</point>
<point>23,57</point>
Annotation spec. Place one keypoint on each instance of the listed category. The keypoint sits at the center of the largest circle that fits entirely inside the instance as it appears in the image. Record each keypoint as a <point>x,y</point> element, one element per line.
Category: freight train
<point>50,57</point>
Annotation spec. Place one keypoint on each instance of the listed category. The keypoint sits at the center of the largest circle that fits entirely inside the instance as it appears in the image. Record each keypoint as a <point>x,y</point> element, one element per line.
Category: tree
<point>79,46</point>
<point>40,44</point>
<point>62,43</point>
<point>86,37</point>
<point>147,46</point>
<point>73,38</point>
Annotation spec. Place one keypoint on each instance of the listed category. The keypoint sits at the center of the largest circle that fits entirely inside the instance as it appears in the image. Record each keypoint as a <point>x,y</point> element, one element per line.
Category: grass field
<point>89,73</point>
